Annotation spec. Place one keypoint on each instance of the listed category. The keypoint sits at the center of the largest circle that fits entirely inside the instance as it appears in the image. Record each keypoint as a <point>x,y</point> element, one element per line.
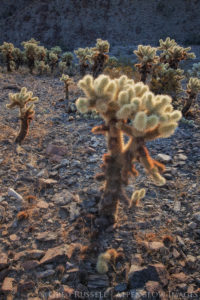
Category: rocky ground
<point>48,200</point>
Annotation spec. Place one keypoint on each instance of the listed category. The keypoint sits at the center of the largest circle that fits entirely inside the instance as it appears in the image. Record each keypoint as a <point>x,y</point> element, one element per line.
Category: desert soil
<point>48,241</point>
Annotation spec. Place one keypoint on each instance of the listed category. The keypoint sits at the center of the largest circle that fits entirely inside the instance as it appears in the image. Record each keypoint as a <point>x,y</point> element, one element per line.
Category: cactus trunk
<point>66,91</point>
<point>99,63</point>
<point>8,59</point>
<point>31,63</point>
<point>143,72</point>
<point>83,68</point>
<point>108,204</point>
<point>188,104</point>
<point>24,127</point>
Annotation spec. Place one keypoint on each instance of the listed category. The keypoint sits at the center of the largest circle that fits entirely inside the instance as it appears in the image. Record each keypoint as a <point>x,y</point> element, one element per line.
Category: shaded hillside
<point>76,23</point>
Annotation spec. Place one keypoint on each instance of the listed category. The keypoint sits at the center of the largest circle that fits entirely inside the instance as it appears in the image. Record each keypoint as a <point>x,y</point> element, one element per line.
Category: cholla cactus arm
<point>193,88</point>
<point>7,51</point>
<point>26,112</point>
<point>147,57</point>
<point>67,81</point>
<point>151,117</point>
<point>168,43</point>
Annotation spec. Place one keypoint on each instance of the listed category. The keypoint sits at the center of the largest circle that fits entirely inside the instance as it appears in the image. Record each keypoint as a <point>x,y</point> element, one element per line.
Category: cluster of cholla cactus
<point>35,54</point>
<point>147,58</point>
<point>7,50</point>
<point>26,111</point>
<point>162,71</point>
<point>152,116</point>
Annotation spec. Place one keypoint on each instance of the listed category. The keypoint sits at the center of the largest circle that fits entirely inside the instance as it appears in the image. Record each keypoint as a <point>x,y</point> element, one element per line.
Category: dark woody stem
<point>188,103</point>
<point>24,127</point>
<point>108,204</point>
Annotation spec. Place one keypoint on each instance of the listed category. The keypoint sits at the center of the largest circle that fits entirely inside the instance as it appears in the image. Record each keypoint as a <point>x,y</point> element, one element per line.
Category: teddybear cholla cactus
<point>172,53</point>
<point>147,57</point>
<point>195,72</point>
<point>32,51</point>
<point>166,80</point>
<point>67,81</point>
<point>193,88</point>
<point>53,60</point>
<point>7,51</point>
<point>151,117</point>
<point>99,57</point>
<point>84,55</point>
<point>26,112</point>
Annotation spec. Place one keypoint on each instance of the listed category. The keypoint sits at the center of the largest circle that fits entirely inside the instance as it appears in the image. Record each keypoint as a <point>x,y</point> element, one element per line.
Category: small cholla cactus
<point>151,117</point>
<point>68,57</point>
<point>173,53</point>
<point>193,88</point>
<point>41,67</point>
<point>166,80</point>
<point>62,66</point>
<point>26,112</point>
<point>112,62</point>
<point>84,55</point>
<point>195,72</point>
<point>67,81</point>
<point>147,58</point>
<point>57,50</point>
<point>31,52</point>
<point>7,51</point>
<point>99,57</point>
<point>53,60</point>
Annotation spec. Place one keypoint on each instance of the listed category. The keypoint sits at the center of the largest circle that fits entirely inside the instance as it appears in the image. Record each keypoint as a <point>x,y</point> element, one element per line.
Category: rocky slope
<point>48,242</point>
<point>75,23</point>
